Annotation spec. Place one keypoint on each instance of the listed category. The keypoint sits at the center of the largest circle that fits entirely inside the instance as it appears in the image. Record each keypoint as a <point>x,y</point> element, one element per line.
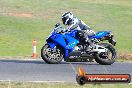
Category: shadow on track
<point>23,61</point>
<point>42,62</point>
<point>80,63</point>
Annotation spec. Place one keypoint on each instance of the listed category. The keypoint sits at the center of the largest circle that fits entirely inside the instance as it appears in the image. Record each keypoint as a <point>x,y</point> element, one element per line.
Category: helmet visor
<point>64,20</point>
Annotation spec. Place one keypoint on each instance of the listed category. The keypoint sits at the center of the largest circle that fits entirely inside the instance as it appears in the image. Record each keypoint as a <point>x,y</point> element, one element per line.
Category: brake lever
<point>67,31</point>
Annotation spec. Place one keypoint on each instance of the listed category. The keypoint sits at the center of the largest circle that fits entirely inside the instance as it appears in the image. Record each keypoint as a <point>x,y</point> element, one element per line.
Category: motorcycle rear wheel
<point>105,58</point>
<point>51,56</point>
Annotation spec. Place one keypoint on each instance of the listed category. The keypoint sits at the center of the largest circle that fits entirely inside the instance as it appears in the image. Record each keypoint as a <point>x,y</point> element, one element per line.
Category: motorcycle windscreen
<point>100,34</point>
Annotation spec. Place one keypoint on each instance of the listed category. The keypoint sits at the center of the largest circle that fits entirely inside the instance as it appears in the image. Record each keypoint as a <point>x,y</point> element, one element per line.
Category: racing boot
<point>89,45</point>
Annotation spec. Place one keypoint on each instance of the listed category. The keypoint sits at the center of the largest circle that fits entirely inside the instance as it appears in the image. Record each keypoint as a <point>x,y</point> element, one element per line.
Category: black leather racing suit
<point>83,30</point>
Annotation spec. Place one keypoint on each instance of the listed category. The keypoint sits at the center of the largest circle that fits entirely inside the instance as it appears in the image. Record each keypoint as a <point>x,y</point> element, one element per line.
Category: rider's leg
<point>89,43</point>
<point>83,36</point>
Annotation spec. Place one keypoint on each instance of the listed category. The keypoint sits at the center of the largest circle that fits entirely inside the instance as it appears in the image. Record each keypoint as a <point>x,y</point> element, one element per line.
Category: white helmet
<point>67,18</point>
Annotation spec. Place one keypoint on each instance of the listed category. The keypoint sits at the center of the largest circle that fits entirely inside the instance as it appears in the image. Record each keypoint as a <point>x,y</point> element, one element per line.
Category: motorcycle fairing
<point>71,42</point>
<point>65,41</point>
<point>51,44</point>
<point>100,34</point>
<point>72,33</point>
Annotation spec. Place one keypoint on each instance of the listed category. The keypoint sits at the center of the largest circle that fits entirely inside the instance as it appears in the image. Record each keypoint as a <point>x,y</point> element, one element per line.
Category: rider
<point>83,30</point>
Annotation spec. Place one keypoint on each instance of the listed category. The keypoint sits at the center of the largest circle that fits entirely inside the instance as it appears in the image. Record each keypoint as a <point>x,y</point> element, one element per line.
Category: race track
<point>38,70</point>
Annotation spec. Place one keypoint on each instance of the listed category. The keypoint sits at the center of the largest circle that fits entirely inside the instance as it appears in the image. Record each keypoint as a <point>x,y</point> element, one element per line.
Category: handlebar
<point>62,30</point>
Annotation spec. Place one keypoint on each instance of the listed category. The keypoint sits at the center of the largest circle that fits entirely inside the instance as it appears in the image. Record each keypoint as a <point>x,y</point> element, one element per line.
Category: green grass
<point>59,85</point>
<point>17,33</point>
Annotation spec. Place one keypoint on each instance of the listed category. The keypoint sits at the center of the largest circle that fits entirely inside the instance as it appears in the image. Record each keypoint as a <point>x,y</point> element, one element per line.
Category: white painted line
<point>106,71</point>
<point>73,68</point>
<point>33,81</point>
<point>46,81</point>
<point>123,62</point>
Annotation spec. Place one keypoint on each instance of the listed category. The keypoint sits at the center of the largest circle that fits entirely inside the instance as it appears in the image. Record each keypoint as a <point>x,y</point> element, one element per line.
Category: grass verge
<point>59,85</point>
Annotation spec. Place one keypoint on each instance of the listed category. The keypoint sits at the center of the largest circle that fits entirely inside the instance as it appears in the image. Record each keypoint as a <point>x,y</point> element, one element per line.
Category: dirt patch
<point>15,57</point>
<point>28,15</point>
<point>125,56</point>
<point>18,57</point>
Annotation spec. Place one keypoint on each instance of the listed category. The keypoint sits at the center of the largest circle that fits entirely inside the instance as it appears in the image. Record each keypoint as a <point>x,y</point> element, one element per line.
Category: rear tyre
<point>108,57</point>
<point>51,56</point>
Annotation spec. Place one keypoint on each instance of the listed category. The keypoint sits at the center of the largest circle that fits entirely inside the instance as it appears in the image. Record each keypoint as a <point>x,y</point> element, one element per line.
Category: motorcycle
<point>65,45</point>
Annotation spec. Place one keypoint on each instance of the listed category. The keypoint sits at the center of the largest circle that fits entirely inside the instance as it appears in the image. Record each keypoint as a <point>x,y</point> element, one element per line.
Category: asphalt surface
<point>38,70</point>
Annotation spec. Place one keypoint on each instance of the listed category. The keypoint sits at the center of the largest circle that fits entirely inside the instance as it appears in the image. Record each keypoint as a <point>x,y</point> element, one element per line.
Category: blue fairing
<point>59,39</point>
<point>73,33</point>
<point>52,44</point>
<point>100,34</point>
<point>67,41</point>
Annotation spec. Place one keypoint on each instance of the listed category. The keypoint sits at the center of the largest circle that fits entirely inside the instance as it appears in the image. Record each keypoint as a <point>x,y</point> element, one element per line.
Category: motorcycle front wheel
<point>51,56</point>
<point>108,57</point>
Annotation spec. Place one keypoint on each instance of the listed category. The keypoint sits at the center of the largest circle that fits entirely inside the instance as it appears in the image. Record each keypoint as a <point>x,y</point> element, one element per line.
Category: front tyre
<point>108,57</point>
<point>51,56</point>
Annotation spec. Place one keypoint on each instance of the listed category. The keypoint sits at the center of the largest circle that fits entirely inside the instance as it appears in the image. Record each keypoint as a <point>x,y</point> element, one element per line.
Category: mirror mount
<point>58,24</point>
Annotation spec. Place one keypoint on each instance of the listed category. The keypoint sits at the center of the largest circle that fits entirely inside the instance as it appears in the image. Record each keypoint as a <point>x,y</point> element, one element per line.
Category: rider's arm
<point>84,26</point>
<point>87,29</point>
<point>74,24</point>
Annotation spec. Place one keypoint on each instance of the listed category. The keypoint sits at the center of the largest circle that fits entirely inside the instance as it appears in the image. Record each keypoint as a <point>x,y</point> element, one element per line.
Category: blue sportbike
<point>65,45</point>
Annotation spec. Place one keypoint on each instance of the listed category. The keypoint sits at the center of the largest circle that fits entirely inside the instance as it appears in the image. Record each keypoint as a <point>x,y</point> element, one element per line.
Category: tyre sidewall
<point>44,57</point>
<point>102,61</point>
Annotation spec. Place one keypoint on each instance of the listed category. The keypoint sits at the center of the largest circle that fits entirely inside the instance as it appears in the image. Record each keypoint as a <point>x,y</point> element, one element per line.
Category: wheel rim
<point>53,55</point>
<point>107,55</point>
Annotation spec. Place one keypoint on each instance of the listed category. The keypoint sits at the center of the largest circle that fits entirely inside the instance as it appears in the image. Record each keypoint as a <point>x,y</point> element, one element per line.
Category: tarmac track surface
<point>38,70</point>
